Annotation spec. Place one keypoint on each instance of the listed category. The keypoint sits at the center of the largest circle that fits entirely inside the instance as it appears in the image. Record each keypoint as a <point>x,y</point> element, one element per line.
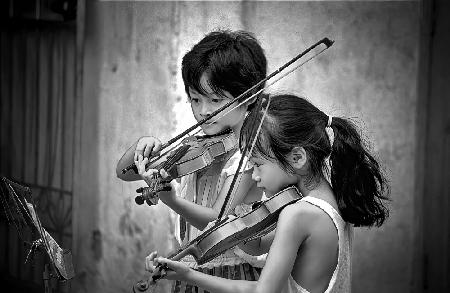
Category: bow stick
<point>328,43</point>
<point>325,41</point>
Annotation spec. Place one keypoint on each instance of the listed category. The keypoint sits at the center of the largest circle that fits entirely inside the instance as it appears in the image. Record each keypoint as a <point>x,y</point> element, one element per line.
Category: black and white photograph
<point>245,146</point>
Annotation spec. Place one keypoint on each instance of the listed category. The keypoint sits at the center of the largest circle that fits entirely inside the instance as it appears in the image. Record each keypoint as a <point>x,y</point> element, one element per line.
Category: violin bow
<point>325,41</point>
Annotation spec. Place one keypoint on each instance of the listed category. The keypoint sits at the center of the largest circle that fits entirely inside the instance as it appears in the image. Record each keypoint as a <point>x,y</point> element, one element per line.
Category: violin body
<point>198,152</point>
<point>202,153</point>
<point>256,223</point>
<point>194,154</point>
<point>226,233</point>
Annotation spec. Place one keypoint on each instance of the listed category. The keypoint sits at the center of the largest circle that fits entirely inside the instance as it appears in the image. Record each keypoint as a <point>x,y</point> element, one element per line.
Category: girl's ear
<point>297,157</point>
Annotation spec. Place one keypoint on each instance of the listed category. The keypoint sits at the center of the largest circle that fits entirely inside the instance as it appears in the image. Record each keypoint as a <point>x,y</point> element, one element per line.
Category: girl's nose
<point>256,178</point>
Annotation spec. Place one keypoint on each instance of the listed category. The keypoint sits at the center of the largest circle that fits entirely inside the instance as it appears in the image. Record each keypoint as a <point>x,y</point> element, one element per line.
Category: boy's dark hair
<point>358,183</point>
<point>233,60</point>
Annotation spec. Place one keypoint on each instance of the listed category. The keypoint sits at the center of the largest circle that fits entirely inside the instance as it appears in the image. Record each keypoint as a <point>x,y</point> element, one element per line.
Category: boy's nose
<point>205,110</point>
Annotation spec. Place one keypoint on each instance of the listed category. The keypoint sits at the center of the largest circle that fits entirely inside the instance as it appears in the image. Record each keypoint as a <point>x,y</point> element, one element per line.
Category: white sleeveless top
<point>340,282</point>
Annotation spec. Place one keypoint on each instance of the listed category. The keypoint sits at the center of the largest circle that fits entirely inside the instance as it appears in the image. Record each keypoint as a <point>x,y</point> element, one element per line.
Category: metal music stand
<point>20,210</point>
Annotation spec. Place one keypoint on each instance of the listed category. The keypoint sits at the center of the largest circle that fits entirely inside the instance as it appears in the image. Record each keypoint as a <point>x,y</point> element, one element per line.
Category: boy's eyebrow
<point>210,95</point>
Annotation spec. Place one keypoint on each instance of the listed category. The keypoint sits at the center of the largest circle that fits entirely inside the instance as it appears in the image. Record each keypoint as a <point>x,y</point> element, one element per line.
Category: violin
<point>200,152</point>
<point>194,154</point>
<point>228,233</point>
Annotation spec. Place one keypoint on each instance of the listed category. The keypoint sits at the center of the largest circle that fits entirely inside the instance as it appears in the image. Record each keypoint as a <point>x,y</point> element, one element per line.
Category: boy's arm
<point>126,160</point>
<point>197,215</point>
<point>241,191</point>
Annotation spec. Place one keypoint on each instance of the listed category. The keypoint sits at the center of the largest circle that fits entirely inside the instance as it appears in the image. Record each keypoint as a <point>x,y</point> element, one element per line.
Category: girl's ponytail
<point>357,180</point>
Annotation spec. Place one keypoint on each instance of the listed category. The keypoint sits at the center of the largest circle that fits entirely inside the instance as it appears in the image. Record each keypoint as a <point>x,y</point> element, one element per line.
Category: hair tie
<point>329,131</point>
<point>330,119</point>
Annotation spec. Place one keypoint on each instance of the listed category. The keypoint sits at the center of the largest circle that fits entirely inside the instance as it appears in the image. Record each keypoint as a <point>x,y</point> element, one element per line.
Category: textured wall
<point>132,86</point>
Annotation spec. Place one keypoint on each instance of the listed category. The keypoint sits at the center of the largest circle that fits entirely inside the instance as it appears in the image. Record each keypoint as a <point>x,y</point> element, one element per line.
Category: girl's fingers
<point>149,260</point>
<point>173,265</point>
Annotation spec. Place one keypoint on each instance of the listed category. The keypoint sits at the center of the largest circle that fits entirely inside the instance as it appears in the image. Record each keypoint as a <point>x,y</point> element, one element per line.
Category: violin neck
<point>190,250</point>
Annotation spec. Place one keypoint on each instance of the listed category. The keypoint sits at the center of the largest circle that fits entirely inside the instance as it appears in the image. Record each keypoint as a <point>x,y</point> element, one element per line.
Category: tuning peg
<point>139,200</point>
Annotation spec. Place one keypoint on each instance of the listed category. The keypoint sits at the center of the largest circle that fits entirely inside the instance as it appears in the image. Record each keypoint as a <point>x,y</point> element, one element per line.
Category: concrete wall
<point>132,87</point>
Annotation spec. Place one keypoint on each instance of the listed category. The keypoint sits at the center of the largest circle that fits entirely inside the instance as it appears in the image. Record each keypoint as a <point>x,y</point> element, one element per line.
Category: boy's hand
<point>147,176</point>
<point>146,146</point>
<point>178,270</point>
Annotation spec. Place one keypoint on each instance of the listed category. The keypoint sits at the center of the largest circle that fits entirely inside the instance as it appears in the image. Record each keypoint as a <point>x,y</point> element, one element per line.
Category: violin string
<point>269,85</point>
<point>233,187</point>
<point>259,128</point>
<point>172,148</point>
<point>250,151</point>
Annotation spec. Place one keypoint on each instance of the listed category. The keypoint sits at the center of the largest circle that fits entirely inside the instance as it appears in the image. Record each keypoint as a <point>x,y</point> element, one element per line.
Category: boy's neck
<point>237,128</point>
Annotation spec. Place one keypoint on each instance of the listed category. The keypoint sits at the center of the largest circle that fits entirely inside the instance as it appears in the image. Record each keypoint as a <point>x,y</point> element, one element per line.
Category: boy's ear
<point>297,157</point>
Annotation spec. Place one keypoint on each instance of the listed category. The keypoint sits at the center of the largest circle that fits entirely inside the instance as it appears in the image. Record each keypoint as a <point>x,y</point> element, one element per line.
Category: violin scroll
<point>141,286</point>
<point>148,195</point>
<point>144,285</point>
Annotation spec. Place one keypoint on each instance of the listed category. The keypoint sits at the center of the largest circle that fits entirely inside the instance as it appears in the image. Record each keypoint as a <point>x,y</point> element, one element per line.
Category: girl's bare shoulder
<point>302,214</point>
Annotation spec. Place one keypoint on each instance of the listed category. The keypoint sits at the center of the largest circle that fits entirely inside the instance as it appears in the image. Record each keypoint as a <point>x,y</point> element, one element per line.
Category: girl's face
<point>204,105</point>
<point>270,176</point>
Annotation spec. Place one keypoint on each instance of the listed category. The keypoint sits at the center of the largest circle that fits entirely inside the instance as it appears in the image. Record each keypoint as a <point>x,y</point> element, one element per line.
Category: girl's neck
<point>320,189</point>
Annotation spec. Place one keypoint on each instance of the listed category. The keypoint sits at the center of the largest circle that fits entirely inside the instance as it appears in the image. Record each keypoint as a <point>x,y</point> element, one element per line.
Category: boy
<point>219,68</point>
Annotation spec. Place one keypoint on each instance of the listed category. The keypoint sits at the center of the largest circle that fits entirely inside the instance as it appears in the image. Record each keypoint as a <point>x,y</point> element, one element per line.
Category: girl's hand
<point>146,146</point>
<point>178,270</point>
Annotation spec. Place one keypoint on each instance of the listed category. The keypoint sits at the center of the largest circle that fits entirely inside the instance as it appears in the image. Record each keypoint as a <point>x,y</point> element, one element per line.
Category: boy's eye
<point>216,100</point>
<point>194,100</point>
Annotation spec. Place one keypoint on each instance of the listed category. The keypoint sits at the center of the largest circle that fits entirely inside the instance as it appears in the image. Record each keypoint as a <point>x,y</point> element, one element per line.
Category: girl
<point>221,66</point>
<point>311,251</point>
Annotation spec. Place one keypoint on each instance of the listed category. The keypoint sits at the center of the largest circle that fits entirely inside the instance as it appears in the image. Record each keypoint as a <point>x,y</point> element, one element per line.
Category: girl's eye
<point>194,100</point>
<point>216,101</point>
<point>254,164</point>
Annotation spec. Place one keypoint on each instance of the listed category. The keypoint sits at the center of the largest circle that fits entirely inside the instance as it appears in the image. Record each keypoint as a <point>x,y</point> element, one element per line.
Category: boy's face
<point>270,176</point>
<point>204,105</point>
